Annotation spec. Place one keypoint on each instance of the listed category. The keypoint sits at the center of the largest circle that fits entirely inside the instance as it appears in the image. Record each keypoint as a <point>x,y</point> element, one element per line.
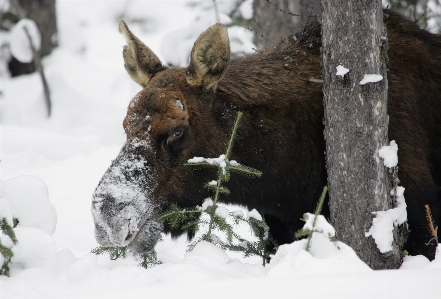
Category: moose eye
<point>178,133</point>
<point>178,139</point>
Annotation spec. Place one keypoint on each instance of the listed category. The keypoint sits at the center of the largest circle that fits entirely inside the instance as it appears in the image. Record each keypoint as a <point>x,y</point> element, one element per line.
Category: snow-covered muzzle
<point>123,208</point>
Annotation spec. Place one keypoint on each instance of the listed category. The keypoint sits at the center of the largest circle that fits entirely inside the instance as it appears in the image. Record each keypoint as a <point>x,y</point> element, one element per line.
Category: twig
<point>433,229</point>
<point>321,81</point>
<point>289,12</point>
<point>40,70</point>
<point>261,30</point>
<point>216,11</point>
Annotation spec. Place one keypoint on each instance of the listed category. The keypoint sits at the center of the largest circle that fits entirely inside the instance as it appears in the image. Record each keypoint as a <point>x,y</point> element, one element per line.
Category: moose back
<point>185,112</point>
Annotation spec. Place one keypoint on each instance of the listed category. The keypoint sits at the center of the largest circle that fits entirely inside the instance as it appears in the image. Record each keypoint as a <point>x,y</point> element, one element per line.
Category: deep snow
<point>54,165</point>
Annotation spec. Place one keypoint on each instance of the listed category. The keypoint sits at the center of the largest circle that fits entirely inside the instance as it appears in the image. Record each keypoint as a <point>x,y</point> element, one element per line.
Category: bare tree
<point>356,124</point>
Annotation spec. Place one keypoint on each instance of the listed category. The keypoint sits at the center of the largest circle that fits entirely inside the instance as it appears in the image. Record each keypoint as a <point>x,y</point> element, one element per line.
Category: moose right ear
<point>209,58</point>
<point>140,62</point>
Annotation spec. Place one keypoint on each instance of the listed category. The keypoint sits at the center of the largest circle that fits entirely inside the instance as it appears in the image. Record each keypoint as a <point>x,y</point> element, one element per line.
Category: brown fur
<point>282,129</point>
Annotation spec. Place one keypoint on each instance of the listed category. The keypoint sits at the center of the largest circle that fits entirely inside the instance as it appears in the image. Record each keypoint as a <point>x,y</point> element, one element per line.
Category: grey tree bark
<point>270,22</point>
<point>356,125</point>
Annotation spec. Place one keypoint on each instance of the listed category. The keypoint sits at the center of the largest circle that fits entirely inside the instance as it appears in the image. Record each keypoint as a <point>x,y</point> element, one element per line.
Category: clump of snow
<point>221,161</point>
<point>321,245</point>
<point>254,214</point>
<point>384,221</point>
<point>414,262</point>
<point>208,202</point>
<point>321,224</point>
<point>28,200</point>
<point>389,153</point>
<point>371,78</point>
<point>237,213</point>
<point>19,41</point>
<point>35,249</point>
<point>341,71</point>
<point>246,9</point>
<point>222,212</point>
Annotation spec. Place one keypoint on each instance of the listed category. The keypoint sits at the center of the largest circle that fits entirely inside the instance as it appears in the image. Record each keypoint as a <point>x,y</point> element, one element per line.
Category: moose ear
<point>209,58</point>
<point>140,62</point>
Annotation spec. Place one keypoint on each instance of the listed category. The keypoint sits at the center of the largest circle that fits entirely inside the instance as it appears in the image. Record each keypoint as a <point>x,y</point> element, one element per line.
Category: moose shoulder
<point>185,112</point>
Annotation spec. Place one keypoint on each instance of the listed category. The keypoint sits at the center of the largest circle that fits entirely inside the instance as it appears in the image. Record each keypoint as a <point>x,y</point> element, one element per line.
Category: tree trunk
<point>271,23</point>
<point>356,124</point>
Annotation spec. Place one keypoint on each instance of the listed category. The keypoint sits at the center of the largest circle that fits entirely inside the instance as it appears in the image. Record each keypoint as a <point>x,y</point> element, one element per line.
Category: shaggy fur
<point>282,129</point>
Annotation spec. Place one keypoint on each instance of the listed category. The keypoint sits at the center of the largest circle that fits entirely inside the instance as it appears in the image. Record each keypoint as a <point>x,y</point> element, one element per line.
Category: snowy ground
<point>69,153</point>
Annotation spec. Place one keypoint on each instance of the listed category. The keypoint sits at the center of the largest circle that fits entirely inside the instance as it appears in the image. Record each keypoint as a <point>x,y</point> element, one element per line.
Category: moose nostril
<point>129,236</point>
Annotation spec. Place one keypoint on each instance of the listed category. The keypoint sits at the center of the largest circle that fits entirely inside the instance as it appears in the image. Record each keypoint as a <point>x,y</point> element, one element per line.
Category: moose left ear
<point>209,58</point>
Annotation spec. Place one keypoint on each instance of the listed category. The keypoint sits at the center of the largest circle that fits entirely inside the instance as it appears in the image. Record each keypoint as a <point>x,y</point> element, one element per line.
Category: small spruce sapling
<point>433,228</point>
<point>7,241</point>
<point>148,260</point>
<point>308,231</point>
<point>191,219</point>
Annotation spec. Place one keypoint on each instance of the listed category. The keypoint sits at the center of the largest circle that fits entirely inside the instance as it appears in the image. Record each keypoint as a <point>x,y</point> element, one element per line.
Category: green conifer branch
<point>245,170</point>
<point>149,260</point>
<point>233,135</point>
<point>317,212</point>
<point>8,230</point>
<point>5,251</point>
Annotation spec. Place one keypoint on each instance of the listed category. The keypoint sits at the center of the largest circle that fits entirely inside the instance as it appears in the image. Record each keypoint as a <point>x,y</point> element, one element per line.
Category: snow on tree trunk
<point>356,124</point>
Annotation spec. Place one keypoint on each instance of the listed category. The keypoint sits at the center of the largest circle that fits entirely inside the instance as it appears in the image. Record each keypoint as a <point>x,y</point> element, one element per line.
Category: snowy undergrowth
<point>71,151</point>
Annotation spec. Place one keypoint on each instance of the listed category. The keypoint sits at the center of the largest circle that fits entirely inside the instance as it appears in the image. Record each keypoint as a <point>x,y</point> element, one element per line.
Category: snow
<point>254,214</point>
<point>237,213</point>
<point>389,153</point>
<point>341,71</point>
<point>27,197</point>
<point>208,202</point>
<point>19,40</point>
<point>370,78</point>
<point>384,221</point>
<point>57,164</point>
<point>246,9</point>
<point>222,212</point>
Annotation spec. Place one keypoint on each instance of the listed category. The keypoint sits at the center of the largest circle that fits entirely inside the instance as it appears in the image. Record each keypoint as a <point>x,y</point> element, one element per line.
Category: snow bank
<point>28,200</point>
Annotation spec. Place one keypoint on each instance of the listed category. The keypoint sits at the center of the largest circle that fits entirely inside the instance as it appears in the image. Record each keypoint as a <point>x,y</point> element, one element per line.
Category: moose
<point>181,113</point>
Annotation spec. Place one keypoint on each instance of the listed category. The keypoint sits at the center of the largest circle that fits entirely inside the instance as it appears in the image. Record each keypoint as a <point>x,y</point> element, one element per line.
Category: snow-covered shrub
<point>316,228</point>
<point>213,216</point>
<point>28,221</point>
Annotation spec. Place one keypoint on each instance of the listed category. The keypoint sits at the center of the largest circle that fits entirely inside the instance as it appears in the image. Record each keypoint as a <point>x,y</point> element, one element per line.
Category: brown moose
<point>185,112</point>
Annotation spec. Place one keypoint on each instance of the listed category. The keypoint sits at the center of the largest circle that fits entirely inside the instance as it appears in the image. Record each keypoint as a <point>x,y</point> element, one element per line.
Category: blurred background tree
<point>275,18</point>
<point>43,13</point>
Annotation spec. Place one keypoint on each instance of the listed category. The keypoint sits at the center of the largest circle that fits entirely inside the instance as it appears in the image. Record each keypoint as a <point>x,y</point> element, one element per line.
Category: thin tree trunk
<point>356,124</point>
